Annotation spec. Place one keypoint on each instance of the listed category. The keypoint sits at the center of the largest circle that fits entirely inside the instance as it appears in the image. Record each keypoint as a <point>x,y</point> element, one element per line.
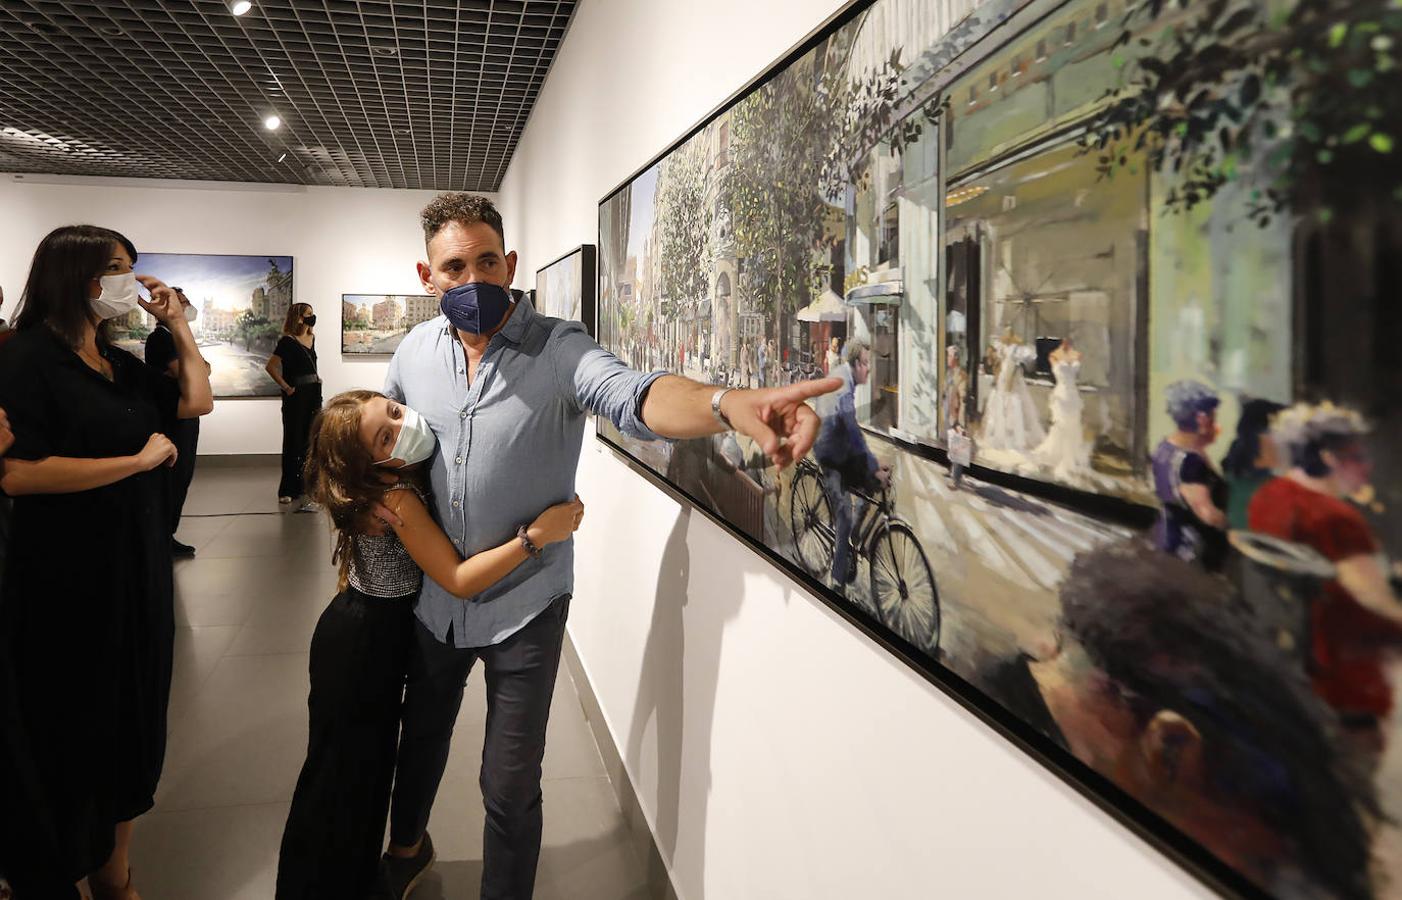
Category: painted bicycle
<point>903,592</point>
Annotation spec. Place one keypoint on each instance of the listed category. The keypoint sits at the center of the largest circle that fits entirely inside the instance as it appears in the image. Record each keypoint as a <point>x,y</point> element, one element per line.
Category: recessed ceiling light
<point>283,157</point>
<point>239,7</point>
<point>273,122</point>
<point>403,130</point>
<point>385,51</point>
<point>111,29</point>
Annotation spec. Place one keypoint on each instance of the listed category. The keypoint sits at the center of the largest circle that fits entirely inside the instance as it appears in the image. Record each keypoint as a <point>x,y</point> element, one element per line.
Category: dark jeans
<point>186,437</point>
<point>520,682</point>
<point>298,411</point>
<point>841,502</point>
<point>336,827</point>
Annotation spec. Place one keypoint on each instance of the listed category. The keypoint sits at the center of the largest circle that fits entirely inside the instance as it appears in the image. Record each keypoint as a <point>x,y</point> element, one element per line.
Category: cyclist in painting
<point>841,450</point>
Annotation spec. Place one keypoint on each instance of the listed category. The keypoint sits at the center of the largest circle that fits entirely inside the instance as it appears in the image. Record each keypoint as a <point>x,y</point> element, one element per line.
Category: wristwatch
<point>526,542</point>
<point>715,407</point>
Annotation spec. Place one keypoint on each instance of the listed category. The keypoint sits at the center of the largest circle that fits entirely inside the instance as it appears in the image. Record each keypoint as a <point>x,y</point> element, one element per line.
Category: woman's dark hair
<point>1182,639</point>
<point>341,475</point>
<point>294,325</point>
<point>1255,421</point>
<point>56,293</point>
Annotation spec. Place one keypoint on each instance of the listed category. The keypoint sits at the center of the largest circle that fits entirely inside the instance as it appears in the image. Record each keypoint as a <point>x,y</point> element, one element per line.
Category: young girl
<point>366,450</point>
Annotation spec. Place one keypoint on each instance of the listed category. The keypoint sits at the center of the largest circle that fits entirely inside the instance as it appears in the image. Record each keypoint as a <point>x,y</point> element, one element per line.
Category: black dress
<point>86,617</point>
<point>298,411</point>
<point>183,433</point>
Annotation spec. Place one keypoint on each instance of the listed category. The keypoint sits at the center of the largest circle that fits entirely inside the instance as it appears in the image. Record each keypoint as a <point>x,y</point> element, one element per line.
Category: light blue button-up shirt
<point>508,447</point>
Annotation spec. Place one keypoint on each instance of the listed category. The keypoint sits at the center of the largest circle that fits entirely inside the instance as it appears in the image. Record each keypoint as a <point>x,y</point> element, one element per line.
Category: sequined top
<point>379,564</point>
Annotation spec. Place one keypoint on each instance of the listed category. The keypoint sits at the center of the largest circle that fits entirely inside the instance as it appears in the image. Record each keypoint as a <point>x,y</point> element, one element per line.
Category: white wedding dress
<point>1065,449</point>
<point>1011,421</point>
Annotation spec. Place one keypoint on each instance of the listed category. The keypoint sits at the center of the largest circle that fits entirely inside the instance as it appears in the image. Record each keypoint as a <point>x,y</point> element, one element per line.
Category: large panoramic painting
<point>375,324</point>
<point>1113,292</point>
<point>567,287</point>
<point>242,303</point>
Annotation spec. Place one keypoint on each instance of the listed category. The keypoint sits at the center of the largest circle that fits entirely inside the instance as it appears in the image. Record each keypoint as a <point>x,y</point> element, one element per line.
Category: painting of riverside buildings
<point>242,303</point>
<point>1113,295</point>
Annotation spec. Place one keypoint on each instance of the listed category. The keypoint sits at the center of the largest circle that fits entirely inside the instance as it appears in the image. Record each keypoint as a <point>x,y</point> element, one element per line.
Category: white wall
<point>343,240</point>
<point>777,751</point>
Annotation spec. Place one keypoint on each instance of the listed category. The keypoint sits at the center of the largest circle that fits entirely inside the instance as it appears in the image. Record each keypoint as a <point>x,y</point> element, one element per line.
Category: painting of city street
<point>374,324</point>
<point>566,288</point>
<point>242,302</point>
<point>1112,292</point>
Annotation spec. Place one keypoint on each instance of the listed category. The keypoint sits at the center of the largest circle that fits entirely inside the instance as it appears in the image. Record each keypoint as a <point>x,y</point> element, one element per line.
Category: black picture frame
<point>585,256</point>
<point>979,38</point>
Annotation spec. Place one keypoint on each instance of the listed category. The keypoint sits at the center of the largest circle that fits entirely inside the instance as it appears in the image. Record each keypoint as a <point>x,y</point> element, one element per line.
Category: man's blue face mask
<point>476,308</point>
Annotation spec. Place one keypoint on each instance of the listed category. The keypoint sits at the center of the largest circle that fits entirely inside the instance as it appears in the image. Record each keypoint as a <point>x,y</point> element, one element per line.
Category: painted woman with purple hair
<point>1192,492</point>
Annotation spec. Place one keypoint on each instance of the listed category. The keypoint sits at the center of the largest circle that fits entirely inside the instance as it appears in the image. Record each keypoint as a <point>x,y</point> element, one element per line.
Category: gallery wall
<point>343,240</point>
<point>776,751</point>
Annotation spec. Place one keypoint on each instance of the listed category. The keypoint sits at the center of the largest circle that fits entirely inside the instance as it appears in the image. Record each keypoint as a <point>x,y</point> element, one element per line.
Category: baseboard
<point>239,460</point>
<point>659,881</point>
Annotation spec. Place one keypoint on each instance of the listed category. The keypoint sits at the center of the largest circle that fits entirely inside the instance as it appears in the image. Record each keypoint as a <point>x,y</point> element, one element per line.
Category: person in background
<point>293,367</point>
<point>842,453</point>
<point>834,357</point>
<point>1192,492</point>
<point>162,356</point>
<point>1251,460</point>
<point>87,618</point>
<point>1356,618</point>
<point>359,653</point>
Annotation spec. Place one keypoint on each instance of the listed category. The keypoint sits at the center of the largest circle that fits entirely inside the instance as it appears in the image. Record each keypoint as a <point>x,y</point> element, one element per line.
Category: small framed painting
<point>374,324</point>
<point>565,288</point>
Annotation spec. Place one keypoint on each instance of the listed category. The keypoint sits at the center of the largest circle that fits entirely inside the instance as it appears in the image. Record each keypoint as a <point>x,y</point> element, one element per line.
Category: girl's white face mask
<point>118,297</point>
<point>415,442</point>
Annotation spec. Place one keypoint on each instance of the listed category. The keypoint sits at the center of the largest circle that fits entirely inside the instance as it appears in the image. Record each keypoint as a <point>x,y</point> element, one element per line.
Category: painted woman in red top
<point>1357,616</point>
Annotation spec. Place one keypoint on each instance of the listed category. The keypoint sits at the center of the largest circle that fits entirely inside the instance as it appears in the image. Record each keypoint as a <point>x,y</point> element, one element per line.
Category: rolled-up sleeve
<point>591,378</point>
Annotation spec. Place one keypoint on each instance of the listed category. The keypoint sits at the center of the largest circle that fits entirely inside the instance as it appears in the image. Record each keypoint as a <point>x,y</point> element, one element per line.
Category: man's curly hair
<point>463,208</point>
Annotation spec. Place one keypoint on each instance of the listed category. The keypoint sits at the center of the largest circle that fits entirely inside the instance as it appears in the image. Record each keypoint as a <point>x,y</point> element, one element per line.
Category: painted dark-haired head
<point>1181,643</point>
<point>64,279</point>
<point>1243,457</point>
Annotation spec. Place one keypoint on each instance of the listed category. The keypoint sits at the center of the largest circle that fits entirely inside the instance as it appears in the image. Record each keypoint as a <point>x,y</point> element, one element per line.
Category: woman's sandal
<point>104,891</point>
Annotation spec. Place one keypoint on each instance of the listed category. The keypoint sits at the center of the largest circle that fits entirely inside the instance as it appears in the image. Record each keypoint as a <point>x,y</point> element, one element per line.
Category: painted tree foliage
<point>1301,100</point>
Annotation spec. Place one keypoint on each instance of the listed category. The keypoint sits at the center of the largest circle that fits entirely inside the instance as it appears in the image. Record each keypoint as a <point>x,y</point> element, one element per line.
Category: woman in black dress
<point>293,367</point>
<point>86,613</point>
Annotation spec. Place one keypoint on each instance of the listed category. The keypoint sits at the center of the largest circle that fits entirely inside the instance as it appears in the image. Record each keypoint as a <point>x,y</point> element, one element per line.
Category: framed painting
<point>1109,292</point>
<point>374,324</point>
<point>242,303</point>
<point>566,288</point>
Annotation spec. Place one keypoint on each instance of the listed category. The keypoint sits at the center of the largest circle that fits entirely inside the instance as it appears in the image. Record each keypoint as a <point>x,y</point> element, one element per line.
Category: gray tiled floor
<point>246,607</point>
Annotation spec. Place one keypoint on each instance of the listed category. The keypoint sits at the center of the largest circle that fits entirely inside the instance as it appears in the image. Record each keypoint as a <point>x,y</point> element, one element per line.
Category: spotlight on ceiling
<point>239,7</point>
<point>383,50</point>
<point>273,122</point>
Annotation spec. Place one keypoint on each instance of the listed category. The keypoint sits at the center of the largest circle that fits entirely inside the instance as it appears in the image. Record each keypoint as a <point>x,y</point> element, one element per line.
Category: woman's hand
<point>289,390</point>
<point>7,437</point>
<point>157,452</point>
<point>165,303</point>
<point>557,523</point>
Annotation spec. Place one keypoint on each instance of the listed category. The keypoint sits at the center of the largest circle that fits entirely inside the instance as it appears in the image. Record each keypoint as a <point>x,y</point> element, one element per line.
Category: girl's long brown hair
<point>293,324</point>
<point>341,475</point>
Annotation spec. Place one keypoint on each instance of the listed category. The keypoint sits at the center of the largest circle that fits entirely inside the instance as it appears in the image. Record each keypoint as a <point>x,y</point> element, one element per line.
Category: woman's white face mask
<point>415,442</point>
<point>118,297</point>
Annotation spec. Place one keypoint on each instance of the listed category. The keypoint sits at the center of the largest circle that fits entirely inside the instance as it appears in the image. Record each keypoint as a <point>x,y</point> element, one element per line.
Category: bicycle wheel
<point>810,517</point>
<point>903,587</point>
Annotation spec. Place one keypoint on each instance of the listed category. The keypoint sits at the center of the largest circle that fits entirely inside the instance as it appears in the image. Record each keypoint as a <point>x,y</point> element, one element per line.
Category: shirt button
<point>462,415</point>
<point>456,504</point>
<point>459,460</point>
